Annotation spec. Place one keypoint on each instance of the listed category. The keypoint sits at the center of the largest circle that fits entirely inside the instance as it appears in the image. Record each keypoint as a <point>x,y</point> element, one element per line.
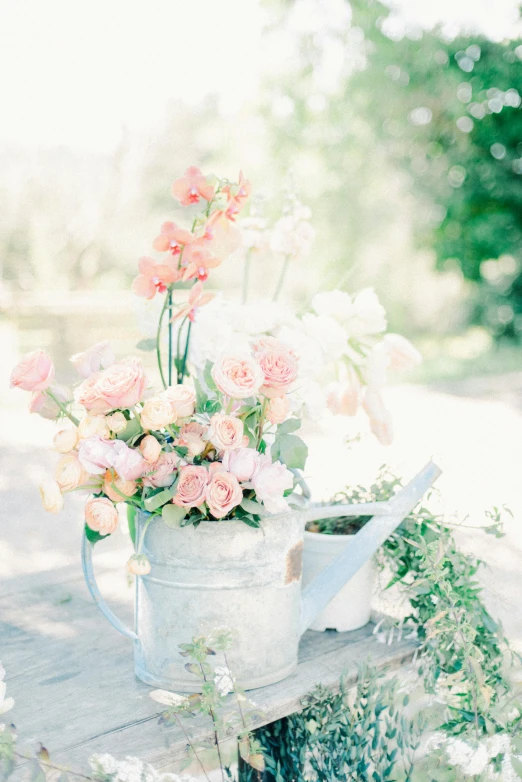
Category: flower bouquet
<point>218,442</point>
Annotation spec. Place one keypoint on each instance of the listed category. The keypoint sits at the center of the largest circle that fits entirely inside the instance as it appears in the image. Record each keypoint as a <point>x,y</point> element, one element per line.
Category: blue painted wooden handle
<point>92,586</point>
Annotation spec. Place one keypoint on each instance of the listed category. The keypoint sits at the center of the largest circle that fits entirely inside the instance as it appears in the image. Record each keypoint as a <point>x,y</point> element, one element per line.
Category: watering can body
<point>229,576</point>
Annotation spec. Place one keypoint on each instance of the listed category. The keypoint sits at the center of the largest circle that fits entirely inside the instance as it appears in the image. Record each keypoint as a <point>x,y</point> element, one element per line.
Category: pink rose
<point>344,397</point>
<point>223,494</point>
<point>120,386</point>
<point>35,372</point>
<point>241,462</point>
<point>182,398</point>
<point>193,437</point>
<point>380,419</point>
<point>279,365</point>
<point>162,472</point>
<point>100,356</point>
<point>237,376</point>
<point>191,486</point>
<point>277,409</point>
<point>95,453</point>
<point>128,462</point>
<point>270,483</point>
<point>101,515</point>
<point>403,355</point>
<point>42,404</point>
<point>225,432</point>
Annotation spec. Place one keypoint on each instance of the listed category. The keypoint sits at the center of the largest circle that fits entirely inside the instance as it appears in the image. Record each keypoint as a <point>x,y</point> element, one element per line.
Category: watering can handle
<point>92,586</point>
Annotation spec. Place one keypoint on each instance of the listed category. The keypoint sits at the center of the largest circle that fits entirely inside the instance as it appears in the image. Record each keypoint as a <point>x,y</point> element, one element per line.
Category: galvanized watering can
<point>229,575</point>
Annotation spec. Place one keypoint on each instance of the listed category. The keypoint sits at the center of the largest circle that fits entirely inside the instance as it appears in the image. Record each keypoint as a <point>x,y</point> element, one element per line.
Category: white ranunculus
<point>368,316</point>
<point>337,304</point>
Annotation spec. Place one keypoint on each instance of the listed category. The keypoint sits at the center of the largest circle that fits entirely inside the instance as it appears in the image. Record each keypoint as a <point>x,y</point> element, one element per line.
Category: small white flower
<point>223,679</point>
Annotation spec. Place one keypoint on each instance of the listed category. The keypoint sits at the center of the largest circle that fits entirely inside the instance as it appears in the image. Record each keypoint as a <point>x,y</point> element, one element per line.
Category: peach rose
<point>191,486</point>
<point>35,372</point>
<point>101,515</point>
<point>277,409</point>
<point>94,454</point>
<point>51,496</point>
<point>237,376</point>
<point>114,486</point>
<point>193,437</point>
<point>162,472</point>
<point>128,462</point>
<point>66,440</point>
<point>138,565</point>
<point>116,422</point>
<point>223,493</point>
<point>42,403</point>
<point>157,412</point>
<point>225,432</point>
<point>150,448</point>
<point>270,483</point>
<point>380,419</point>
<point>241,462</point>
<point>70,473</point>
<point>182,398</point>
<point>93,425</point>
<point>279,365</point>
<point>100,356</point>
<point>120,386</point>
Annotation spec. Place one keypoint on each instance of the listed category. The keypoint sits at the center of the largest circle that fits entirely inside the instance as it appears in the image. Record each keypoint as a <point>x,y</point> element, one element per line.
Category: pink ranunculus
<point>161,473</point>
<point>191,486</point>
<point>237,376</point>
<point>150,448</point>
<point>344,397</point>
<point>194,437</point>
<point>403,355</point>
<point>120,386</point>
<point>70,473</point>
<point>270,483</point>
<point>223,494</point>
<point>101,515</point>
<point>280,366</point>
<point>128,462</point>
<point>277,409</point>
<point>95,454</point>
<point>192,186</point>
<point>225,432</point>
<point>182,398</point>
<point>380,419</point>
<point>100,356</point>
<point>42,404</point>
<point>35,372</point>
<point>114,486</point>
<point>241,462</point>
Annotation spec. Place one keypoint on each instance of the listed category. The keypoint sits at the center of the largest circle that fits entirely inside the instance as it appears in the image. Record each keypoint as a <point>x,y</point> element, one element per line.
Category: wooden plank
<point>71,674</point>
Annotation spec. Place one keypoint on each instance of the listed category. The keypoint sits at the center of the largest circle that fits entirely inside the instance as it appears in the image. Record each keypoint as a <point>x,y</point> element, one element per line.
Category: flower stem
<point>282,276</point>
<point>262,421</point>
<point>185,355</point>
<point>178,351</point>
<point>62,407</point>
<point>169,297</point>
<point>158,340</point>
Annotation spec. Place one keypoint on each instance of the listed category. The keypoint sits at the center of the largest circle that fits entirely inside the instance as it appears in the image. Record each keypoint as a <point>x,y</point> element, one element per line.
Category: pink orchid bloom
<point>192,186</point>
<point>172,238</point>
<point>153,278</point>
<point>196,299</point>
<point>237,195</point>
<point>198,258</point>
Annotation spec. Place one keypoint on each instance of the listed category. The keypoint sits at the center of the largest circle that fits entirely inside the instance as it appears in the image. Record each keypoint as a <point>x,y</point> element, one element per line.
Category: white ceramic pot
<point>351,607</point>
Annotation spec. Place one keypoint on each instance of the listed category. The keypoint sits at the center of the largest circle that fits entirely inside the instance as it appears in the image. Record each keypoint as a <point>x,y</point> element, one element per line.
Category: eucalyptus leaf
<point>289,426</point>
<point>157,500</point>
<point>207,377</point>
<point>132,429</point>
<point>290,450</point>
<point>146,344</point>
<point>251,506</point>
<point>173,515</point>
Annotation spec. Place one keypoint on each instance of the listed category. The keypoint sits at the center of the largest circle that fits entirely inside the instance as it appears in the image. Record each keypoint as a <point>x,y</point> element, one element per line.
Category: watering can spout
<point>360,547</point>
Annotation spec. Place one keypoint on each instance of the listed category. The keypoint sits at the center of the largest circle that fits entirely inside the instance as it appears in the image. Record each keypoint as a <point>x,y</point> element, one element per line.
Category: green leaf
<point>290,450</point>
<point>146,344</point>
<point>131,521</point>
<point>212,406</point>
<point>517,765</point>
<point>132,429</point>
<point>93,536</point>
<point>173,515</point>
<point>157,500</point>
<point>289,426</point>
<point>207,376</point>
<point>201,396</point>
<point>251,506</point>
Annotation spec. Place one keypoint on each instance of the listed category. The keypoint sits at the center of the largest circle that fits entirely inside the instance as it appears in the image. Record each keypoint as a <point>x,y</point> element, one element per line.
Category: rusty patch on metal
<point>294,563</point>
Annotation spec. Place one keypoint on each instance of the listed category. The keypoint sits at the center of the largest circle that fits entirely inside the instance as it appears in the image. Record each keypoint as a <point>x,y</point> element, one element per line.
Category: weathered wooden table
<point>71,674</point>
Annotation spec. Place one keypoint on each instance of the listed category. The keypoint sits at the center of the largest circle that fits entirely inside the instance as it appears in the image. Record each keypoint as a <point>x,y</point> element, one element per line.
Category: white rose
<point>93,425</point>
<point>182,398</point>
<point>157,413</point>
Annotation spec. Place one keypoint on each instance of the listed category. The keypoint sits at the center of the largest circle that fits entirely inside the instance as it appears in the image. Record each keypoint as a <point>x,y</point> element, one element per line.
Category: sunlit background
<point>400,125</point>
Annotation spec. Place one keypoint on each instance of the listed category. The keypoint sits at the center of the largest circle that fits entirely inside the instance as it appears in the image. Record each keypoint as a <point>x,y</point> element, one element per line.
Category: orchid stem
<point>185,355</point>
<point>169,301</point>
<point>282,276</point>
<point>62,407</point>
<point>158,340</point>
